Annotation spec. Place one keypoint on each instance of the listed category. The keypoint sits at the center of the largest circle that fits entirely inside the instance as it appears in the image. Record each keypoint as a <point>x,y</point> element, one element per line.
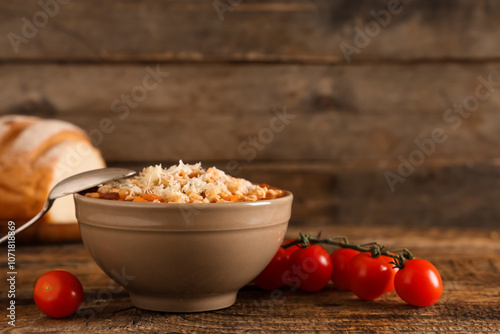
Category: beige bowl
<point>182,257</point>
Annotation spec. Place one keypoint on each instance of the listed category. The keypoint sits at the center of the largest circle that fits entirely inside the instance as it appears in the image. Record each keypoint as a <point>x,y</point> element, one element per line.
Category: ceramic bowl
<point>182,257</point>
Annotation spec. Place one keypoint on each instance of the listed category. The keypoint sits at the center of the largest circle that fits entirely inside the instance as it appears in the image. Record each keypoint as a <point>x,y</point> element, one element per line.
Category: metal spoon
<point>74,184</point>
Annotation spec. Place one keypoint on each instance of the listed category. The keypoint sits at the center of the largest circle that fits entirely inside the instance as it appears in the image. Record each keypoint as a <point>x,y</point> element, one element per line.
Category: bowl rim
<point>157,212</point>
<point>114,203</point>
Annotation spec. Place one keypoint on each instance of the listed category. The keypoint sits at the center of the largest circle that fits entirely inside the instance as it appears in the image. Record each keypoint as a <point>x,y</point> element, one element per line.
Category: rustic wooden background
<point>353,119</point>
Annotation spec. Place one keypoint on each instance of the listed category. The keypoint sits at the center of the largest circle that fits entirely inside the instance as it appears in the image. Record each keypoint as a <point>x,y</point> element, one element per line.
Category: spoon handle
<point>39,215</point>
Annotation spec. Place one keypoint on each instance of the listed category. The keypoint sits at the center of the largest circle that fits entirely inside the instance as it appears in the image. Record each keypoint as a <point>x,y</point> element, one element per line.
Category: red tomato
<point>311,268</point>
<point>340,260</point>
<point>370,277</point>
<point>290,250</point>
<point>419,283</point>
<point>58,293</point>
<point>390,288</point>
<point>273,276</point>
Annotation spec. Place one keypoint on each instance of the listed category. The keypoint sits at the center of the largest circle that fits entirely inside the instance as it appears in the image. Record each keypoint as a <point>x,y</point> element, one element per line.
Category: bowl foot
<point>183,303</point>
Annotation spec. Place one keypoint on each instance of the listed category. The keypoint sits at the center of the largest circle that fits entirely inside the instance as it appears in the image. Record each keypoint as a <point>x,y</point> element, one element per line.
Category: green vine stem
<point>399,256</point>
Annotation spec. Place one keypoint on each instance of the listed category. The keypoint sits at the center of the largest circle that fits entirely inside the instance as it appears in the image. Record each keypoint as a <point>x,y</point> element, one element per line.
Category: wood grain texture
<point>373,113</point>
<point>470,302</point>
<point>352,121</point>
<point>255,30</point>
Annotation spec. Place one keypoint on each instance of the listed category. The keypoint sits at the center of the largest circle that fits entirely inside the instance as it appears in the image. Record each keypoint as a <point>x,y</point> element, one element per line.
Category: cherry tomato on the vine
<point>391,288</point>
<point>310,268</point>
<point>419,283</point>
<point>370,277</point>
<point>273,276</point>
<point>58,293</point>
<point>340,261</point>
<point>291,249</point>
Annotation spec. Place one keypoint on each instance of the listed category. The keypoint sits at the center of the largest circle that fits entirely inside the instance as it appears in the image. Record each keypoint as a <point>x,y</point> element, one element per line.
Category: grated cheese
<point>185,183</point>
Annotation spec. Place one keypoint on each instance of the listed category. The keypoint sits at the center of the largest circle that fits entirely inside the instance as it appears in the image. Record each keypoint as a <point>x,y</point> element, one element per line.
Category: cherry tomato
<point>289,250</point>
<point>370,277</point>
<point>58,293</point>
<point>419,283</point>
<point>390,288</point>
<point>340,261</point>
<point>310,268</point>
<point>273,276</point>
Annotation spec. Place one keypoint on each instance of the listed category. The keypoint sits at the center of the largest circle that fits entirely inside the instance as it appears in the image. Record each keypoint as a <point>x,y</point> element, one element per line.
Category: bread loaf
<point>35,154</point>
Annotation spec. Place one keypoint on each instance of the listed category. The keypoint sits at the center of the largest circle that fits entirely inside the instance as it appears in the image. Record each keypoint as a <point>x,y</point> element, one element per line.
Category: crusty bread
<point>35,154</point>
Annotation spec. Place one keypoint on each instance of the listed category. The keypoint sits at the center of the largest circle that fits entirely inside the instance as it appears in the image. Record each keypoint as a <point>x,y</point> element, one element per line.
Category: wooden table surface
<point>468,260</point>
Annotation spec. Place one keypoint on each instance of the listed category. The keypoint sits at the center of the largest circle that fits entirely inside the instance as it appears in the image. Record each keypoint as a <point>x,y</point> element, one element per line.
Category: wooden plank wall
<point>351,120</point>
